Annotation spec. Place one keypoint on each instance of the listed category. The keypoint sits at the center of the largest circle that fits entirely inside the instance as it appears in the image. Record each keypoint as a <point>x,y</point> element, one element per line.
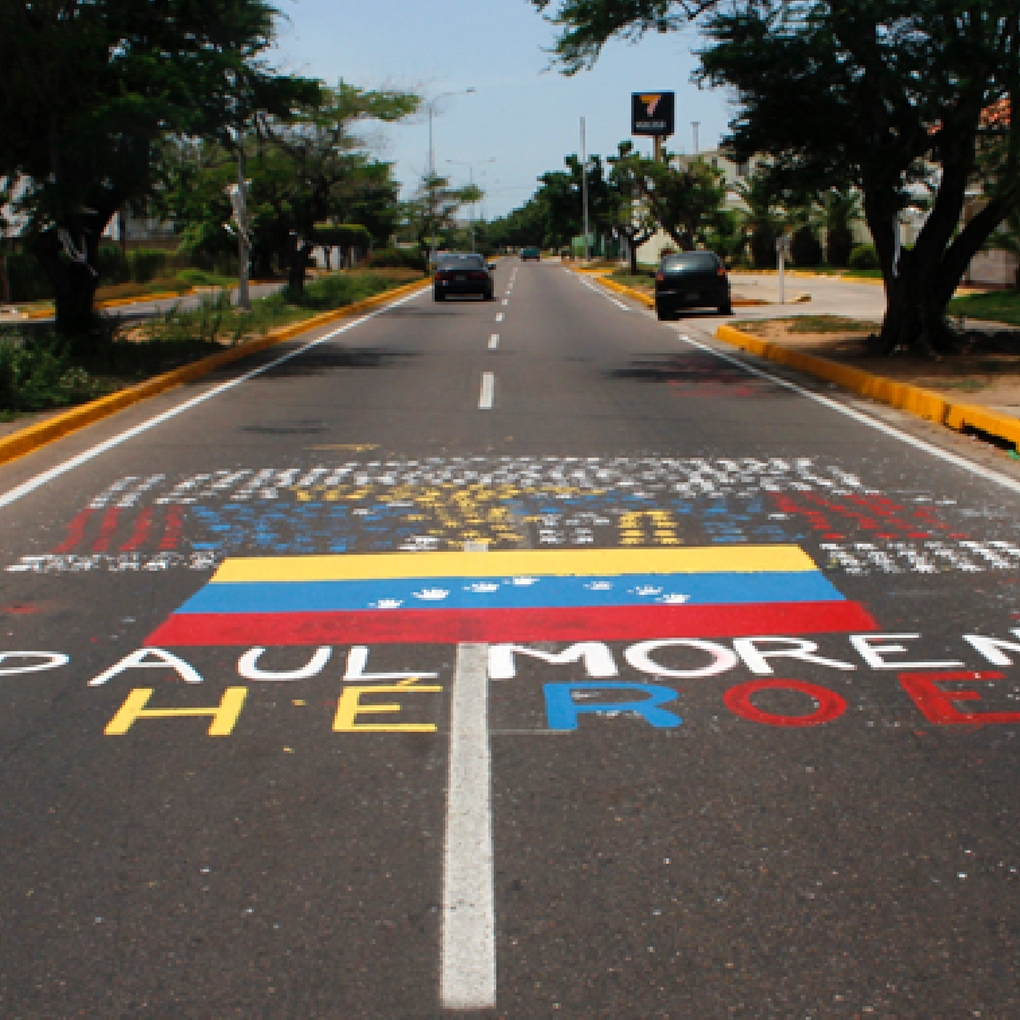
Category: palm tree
<point>841,209</point>
<point>761,216</point>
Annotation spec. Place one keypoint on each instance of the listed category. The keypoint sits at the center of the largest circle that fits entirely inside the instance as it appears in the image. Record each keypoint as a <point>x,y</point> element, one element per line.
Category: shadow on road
<point>324,359</point>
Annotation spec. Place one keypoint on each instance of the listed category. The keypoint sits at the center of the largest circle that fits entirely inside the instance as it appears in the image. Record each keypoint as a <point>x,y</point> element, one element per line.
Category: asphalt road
<point>517,659</point>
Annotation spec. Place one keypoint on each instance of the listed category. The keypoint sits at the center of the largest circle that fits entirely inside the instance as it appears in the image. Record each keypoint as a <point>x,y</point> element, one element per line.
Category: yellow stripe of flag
<point>511,563</point>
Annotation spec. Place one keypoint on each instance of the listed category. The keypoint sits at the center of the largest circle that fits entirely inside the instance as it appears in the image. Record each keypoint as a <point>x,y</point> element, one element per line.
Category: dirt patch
<point>985,371</point>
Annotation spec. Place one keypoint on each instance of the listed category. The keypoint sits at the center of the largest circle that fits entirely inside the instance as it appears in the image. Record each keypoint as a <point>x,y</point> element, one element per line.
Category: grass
<point>39,371</point>
<point>810,324</point>
<point>994,306</point>
<point>643,281</point>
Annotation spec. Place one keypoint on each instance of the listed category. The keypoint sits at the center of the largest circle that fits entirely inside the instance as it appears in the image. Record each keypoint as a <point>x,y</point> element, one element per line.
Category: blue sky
<point>523,114</point>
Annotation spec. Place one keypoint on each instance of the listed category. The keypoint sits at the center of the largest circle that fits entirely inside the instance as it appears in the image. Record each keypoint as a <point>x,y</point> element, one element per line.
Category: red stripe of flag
<point>439,626</point>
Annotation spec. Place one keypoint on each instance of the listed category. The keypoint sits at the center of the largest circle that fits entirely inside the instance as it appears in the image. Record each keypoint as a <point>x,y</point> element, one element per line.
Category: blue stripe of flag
<point>511,593</point>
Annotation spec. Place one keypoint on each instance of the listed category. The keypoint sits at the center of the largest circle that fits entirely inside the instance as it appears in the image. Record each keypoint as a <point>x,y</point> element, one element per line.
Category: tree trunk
<point>297,264</point>
<point>74,285</point>
<point>920,286</point>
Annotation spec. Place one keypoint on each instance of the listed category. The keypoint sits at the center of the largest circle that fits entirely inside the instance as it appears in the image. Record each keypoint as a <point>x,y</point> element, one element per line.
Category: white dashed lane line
<point>493,341</point>
<point>468,951</point>
<point>487,391</point>
<point>499,316</point>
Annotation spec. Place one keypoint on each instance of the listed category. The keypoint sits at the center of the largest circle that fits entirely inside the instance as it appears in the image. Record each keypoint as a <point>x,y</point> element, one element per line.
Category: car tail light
<point>478,274</point>
<point>721,271</point>
<point>660,276</point>
<point>443,274</point>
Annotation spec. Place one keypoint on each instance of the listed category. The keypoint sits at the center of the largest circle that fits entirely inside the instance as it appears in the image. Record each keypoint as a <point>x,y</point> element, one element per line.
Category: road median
<point>905,396</point>
<point>39,434</point>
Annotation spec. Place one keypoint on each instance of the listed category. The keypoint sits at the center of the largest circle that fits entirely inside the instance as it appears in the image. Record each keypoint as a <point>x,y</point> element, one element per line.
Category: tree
<point>431,212</point>
<point>589,24</point>
<point>891,96</point>
<point>89,87</point>
<point>635,221</point>
<point>345,236</point>
<point>681,199</point>
<point>761,216</point>
<point>319,161</point>
<point>841,208</point>
<point>307,165</point>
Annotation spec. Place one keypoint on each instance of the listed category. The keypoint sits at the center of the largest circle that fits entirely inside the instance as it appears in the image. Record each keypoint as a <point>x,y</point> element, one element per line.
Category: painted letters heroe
<point>938,688</point>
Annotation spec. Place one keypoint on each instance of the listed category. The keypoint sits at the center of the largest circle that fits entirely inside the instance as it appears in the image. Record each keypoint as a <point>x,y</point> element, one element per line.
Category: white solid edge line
<point>468,943</point>
<point>493,341</point>
<point>890,430</point>
<point>100,448</point>
<point>600,291</point>
<point>487,392</point>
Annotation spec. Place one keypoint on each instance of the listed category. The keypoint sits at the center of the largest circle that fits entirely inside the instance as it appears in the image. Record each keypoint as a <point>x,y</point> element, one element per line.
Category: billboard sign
<point>652,113</point>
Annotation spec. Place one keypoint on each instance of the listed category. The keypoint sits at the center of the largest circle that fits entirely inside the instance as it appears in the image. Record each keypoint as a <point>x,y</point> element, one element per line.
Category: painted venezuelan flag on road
<point>570,595</point>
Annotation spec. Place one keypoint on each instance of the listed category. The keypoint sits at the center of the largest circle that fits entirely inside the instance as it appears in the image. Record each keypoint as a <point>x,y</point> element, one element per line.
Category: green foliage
<point>681,198</point>
<point>864,256</point>
<point>589,24</point>
<point>554,215</point>
<point>337,290</point>
<point>763,246</point>
<point>342,235</point>
<point>194,277</point>
<point>305,168</point>
<point>90,87</point>
<point>839,244</point>
<point>725,236</point>
<point>397,258</point>
<point>889,96</point>
<point>805,248</point>
<point>148,263</point>
<point>36,373</point>
<point>27,278</point>
<point>841,209</point>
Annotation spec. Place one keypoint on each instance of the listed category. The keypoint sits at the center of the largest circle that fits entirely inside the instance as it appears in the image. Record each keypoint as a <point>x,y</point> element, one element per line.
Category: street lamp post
<point>471,181</point>
<point>584,189</point>
<point>430,106</point>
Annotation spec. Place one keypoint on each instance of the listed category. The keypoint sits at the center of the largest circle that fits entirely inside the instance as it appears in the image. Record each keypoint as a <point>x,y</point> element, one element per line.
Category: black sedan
<point>691,279</point>
<point>462,273</point>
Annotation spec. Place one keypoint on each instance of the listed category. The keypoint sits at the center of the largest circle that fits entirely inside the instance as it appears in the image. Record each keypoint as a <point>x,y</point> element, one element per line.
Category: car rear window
<point>461,262</point>
<point>697,260</point>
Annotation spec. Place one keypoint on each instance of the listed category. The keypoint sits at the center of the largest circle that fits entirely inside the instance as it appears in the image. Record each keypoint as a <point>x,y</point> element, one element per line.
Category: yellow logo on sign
<point>651,102</point>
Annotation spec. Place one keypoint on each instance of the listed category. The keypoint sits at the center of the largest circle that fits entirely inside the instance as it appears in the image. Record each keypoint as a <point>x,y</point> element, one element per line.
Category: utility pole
<point>695,124</point>
<point>471,182</point>
<point>584,189</point>
<point>241,212</point>
<point>431,107</point>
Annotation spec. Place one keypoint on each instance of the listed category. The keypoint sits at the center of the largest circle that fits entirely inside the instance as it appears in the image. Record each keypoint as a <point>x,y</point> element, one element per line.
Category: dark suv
<point>691,279</point>
<point>462,273</point>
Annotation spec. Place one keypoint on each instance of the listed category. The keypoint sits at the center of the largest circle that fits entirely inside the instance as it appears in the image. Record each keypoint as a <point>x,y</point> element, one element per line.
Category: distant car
<point>531,253</point>
<point>691,279</point>
<point>462,273</point>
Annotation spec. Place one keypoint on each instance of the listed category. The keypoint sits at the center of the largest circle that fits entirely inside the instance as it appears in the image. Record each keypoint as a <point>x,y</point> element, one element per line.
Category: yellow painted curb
<point>649,301</point>
<point>915,399</point>
<point>143,299</point>
<point>31,438</point>
<point>962,416</point>
<point>632,292</point>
